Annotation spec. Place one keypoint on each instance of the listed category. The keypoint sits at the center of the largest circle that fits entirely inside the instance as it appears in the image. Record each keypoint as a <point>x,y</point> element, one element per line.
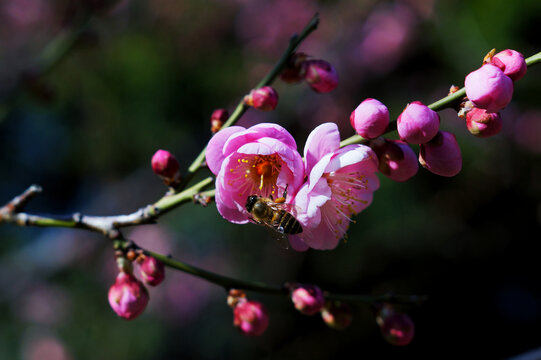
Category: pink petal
<point>318,170</point>
<point>230,214</point>
<point>214,154</point>
<point>353,154</point>
<point>225,198</point>
<point>322,140</point>
<point>275,131</point>
<point>257,132</point>
<point>297,243</point>
<point>309,202</point>
<point>257,148</point>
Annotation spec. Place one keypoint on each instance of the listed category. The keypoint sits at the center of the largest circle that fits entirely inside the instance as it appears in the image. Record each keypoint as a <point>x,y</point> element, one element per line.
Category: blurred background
<point>90,89</point>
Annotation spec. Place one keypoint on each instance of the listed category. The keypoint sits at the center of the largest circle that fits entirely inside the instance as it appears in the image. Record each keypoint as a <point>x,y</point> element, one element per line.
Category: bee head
<point>250,202</point>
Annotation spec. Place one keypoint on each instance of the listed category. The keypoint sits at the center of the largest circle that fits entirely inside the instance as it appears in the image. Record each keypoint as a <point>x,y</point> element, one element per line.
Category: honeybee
<point>273,214</point>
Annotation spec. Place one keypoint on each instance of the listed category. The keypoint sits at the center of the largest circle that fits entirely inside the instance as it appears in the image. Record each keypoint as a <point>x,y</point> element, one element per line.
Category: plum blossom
<point>261,160</point>
<point>341,182</point>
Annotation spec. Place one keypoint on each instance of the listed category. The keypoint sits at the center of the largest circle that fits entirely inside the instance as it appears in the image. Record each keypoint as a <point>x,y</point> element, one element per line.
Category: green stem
<point>169,202</point>
<point>446,102</point>
<point>241,108</point>
<point>231,283</point>
<point>224,281</point>
<point>534,59</point>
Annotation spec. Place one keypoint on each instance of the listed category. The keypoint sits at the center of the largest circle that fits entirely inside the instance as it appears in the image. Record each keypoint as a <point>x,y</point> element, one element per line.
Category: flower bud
<point>397,328</point>
<point>165,165</point>
<point>128,297</point>
<point>370,118</point>
<point>337,315</point>
<point>295,69</point>
<point>418,123</point>
<point>397,160</point>
<point>250,317</point>
<point>489,88</point>
<point>264,99</point>
<point>152,271</point>
<point>308,299</point>
<point>235,296</point>
<point>217,119</point>
<point>511,62</point>
<point>483,124</point>
<point>441,155</point>
<point>321,76</point>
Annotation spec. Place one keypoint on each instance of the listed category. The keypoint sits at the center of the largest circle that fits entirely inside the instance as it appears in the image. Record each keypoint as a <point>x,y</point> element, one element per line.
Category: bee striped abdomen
<point>288,223</point>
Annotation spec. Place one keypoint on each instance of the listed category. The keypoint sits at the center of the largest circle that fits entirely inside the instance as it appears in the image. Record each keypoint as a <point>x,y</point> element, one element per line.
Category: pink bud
<point>250,317</point>
<point>165,164</point>
<point>511,62</point>
<point>483,124</point>
<point>418,123</point>
<point>321,76</point>
<point>370,118</point>
<point>264,99</point>
<point>397,328</point>
<point>308,299</point>
<point>397,160</point>
<point>489,88</point>
<point>128,296</point>
<point>336,315</point>
<point>441,155</point>
<point>217,119</point>
<point>152,271</point>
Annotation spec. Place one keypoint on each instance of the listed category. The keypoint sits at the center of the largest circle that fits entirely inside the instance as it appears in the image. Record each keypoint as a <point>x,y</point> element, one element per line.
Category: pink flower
<point>441,155</point>
<point>261,160</point>
<point>308,299</point>
<point>489,88</point>
<point>370,118</point>
<point>418,123</point>
<point>341,182</point>
<point>320,75</point>
<point>250,317</point>
<point>397,160</point>
<point>128,296</point>
<point>511,62</point>
<point>264,99</point>
<point>152,271</point>
<point>482,123</point>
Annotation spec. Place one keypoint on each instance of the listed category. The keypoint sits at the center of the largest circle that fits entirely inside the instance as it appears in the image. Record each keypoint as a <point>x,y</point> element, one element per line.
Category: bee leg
<point>284,196</point>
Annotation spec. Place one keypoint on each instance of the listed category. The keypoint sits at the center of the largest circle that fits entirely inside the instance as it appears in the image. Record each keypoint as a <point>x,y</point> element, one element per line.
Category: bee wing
<point>290,208</point>
<point>278,233</point>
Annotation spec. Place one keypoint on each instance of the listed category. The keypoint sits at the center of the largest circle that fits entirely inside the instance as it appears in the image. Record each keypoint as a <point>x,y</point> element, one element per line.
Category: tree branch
<point>106,225</point>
